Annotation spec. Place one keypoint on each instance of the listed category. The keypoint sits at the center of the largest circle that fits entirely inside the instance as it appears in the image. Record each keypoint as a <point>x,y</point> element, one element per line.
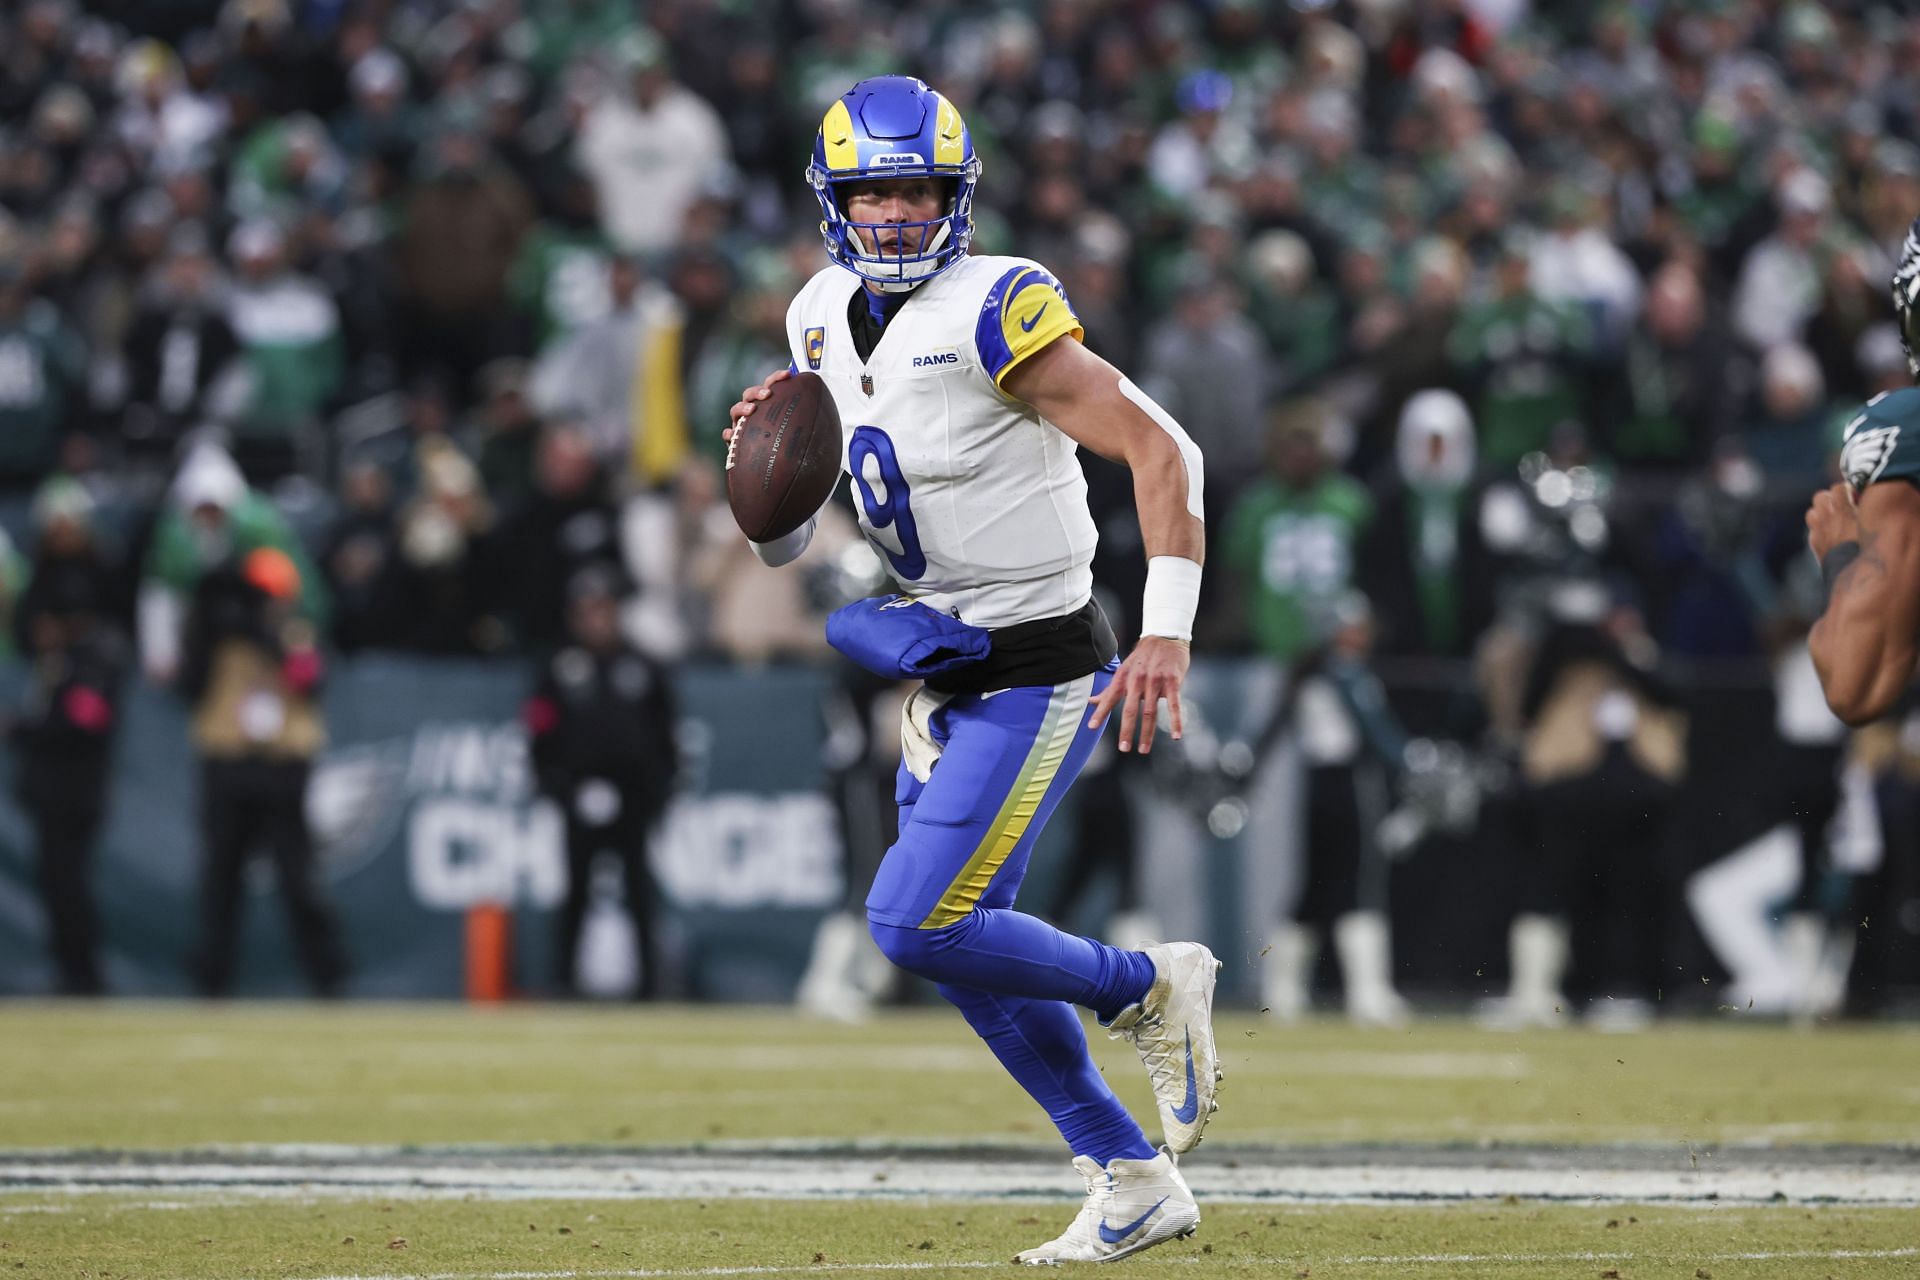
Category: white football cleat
<point>1173,1030</point>
<point>1537,946</point>
<point>1131,1205</point>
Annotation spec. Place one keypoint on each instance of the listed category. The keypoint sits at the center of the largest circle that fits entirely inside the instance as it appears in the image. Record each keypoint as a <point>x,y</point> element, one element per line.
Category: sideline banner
<point>423,806</point>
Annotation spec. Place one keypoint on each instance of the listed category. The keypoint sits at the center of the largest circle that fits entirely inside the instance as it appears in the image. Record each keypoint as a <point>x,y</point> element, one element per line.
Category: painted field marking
<point>1359,1177</point>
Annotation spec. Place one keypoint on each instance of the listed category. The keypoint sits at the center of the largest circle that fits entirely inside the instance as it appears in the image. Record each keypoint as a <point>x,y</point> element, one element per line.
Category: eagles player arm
<point>1864,645</point>
<point>1091,402</point>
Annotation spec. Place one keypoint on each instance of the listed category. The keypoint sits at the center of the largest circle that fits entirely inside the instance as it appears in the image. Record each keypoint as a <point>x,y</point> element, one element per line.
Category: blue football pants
<point>942,902</point>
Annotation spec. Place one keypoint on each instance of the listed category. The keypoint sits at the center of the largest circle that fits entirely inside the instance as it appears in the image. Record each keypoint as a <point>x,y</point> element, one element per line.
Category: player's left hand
<point>1832,520</point>
<point>1155,669</point>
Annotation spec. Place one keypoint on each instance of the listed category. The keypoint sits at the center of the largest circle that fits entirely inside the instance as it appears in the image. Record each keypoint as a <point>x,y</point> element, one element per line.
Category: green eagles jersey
<point>176,560</point>
<point>1525,351</point>
<point>290,331</point>
<point>1293,549</point>
<point>1883,440</point>
<point>560,279</point>
<point>42,377</point>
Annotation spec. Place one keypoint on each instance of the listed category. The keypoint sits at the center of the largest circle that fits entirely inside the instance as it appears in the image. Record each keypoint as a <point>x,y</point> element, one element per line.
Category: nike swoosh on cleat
<point>1187,1110</point>
<point>1111,1236</point>
<point>1027,325</point>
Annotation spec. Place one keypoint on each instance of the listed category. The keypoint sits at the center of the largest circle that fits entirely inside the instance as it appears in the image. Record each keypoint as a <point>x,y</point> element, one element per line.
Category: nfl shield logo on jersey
<point>816,346</point>
<point>866,383</point>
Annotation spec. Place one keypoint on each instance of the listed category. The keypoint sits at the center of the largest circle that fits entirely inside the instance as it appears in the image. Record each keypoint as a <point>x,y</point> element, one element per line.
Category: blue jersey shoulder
<point>1883,440</point>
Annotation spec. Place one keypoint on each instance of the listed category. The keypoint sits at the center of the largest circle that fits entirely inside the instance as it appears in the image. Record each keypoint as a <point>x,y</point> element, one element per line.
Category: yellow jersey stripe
<point>1050,745</point>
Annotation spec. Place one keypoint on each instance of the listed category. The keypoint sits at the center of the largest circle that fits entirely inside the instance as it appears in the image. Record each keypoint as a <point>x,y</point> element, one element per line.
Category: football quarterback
<point>964,392</point>
<point>1866,532</point>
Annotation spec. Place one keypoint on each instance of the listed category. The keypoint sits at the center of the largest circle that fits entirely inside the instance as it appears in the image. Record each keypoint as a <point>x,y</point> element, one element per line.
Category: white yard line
<point>1371,1178</point>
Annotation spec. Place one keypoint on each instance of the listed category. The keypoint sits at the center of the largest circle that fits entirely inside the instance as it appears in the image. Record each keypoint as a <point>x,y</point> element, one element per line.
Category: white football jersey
<point>975,502</point>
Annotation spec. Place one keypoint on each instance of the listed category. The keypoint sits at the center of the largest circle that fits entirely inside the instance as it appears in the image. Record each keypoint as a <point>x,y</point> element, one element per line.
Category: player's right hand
<point>1832,519</point>
<point>750,397</point>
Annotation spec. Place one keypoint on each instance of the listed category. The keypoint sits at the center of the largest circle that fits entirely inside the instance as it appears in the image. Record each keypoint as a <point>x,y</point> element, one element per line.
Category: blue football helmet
<point>894,127</point>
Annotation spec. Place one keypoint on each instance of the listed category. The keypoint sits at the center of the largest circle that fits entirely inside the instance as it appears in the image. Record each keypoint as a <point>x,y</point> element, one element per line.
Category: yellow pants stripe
<point>1065,711</point>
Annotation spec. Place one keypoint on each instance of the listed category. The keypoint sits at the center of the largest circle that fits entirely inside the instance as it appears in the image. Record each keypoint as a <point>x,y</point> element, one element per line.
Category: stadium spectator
<point>1681,383</point>
<point>751,338</point>
<point>650,146</point>
<point>1779,286</point>
<point>1353,748</point>
<point>1207,365</point>
<point>379,121</point>
<point>1791,432</point>
<point>66,626</point>
<point>562,280</point>
<point>178,349</point>
<point>569,522</point>
<point>1290,538</point>
<point>753,614</point>
<point>289,332</point>
<point>1422,559</point>
<point>459,237</point>
<point>1415,352</point>
<point>1853,299</point>
<point>441,567</point>
<point>620,376</point>
<point>358,562</point>
<point>42,379</point>
<point>251,671</point>
<point>1603,750</point>
<point>1524,358</point>
<point>600,725</point>
<point>286,171</point>
<point>1576,263</point>
<point>211,516</point>
<point>1297,315</point>
<point>505,431</point>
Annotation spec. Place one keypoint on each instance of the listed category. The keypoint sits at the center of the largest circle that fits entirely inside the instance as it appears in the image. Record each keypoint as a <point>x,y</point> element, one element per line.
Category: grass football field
<point>186,1140</point>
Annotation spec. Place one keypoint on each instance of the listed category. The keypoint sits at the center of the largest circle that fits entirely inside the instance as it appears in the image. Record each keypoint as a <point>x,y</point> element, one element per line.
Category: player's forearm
<point>1862,657</point>
<point>1172,534</point>
<point>1167,527</point>
<point>1862,672</point>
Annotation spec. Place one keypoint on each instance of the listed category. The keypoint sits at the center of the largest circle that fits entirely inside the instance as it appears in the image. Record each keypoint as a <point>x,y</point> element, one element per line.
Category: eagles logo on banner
<point>1866,454</point>
<point>816,346</point>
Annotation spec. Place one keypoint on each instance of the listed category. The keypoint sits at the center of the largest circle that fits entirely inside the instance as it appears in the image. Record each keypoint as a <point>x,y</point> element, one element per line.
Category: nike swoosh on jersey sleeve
<point>1019,317</point>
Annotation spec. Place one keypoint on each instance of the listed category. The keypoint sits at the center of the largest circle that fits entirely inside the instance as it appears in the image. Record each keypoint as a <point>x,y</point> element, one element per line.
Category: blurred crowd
<point>463,288</point>
<point>1511,318</point>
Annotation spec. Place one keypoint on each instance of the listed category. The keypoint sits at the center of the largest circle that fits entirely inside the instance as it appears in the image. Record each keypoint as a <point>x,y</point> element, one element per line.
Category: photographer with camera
<point>252,670</point>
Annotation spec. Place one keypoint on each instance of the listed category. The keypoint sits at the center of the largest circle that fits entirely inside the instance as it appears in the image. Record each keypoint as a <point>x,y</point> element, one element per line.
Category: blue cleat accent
<point>1187,1110</point>
<point>1112,1236</point>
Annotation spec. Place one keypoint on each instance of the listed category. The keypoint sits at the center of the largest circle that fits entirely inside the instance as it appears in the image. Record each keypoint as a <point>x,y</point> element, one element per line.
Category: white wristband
<point>1171,598</point>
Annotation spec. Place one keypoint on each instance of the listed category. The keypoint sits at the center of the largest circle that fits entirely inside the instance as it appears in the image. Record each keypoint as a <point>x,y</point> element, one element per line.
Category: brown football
<point>783,462</point>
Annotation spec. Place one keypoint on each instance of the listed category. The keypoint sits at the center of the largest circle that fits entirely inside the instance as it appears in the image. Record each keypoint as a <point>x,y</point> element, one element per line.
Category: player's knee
<point>918,951</point>
<point>906,947</point>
